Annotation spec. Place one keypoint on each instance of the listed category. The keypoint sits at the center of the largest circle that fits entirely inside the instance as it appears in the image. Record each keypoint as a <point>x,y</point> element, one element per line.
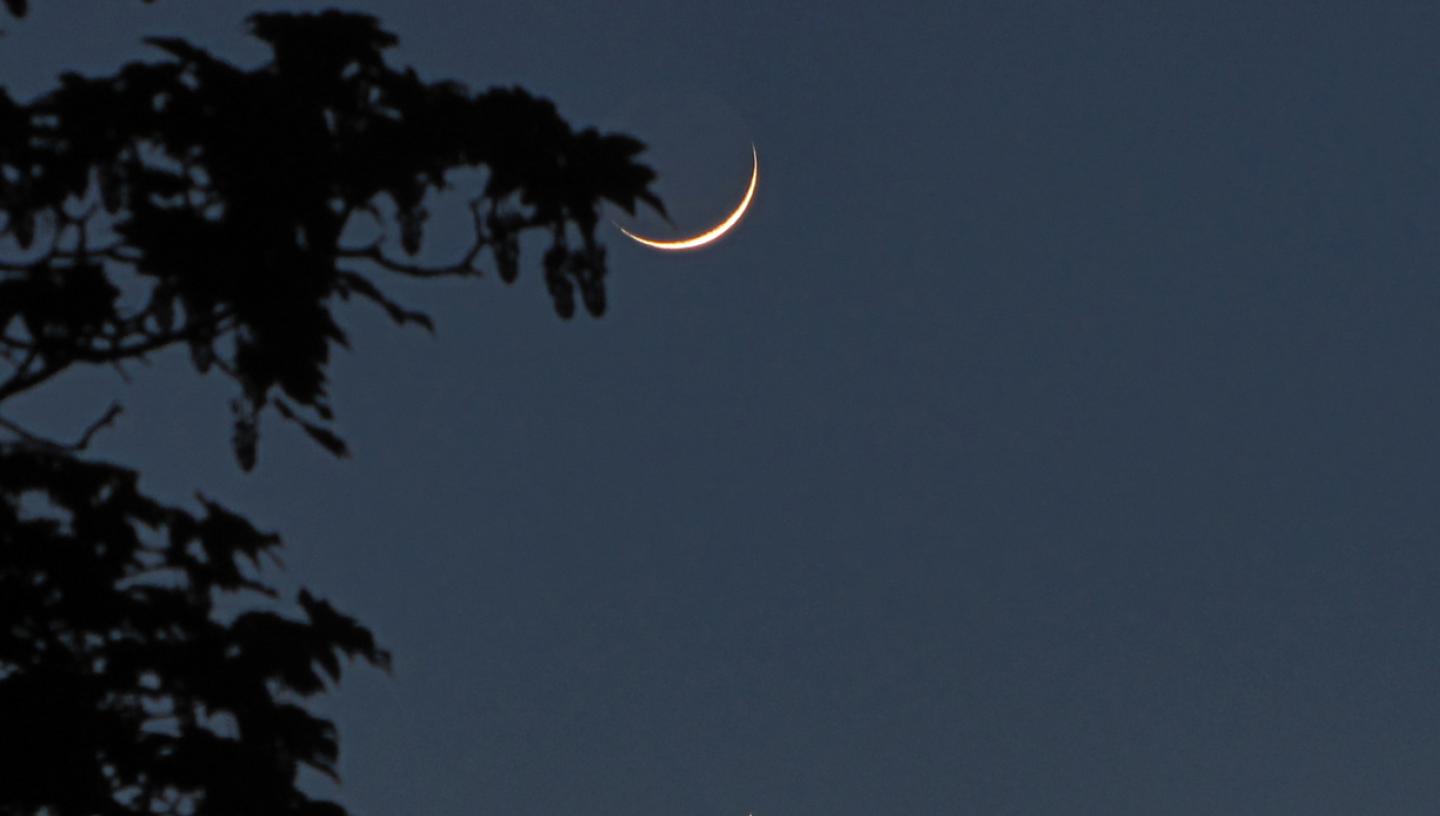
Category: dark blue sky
<point>1057,435</point>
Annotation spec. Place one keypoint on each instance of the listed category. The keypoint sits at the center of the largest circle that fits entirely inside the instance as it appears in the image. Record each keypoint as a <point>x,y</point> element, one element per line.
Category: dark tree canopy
<point>190,202</point>
<point>223,195</point>
<point>122,690</point>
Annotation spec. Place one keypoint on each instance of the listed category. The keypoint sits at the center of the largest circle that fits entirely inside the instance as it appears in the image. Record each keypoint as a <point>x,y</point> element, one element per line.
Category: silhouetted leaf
<point>325,437</point>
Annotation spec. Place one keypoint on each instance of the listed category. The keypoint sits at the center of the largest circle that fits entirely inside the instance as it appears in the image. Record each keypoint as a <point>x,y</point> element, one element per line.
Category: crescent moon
<point>715,232</point>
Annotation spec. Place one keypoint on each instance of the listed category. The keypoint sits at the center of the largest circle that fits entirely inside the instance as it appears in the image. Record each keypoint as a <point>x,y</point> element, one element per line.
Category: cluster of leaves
<point>224,195</point>
<point>190,202</point>
<point>123,689</point>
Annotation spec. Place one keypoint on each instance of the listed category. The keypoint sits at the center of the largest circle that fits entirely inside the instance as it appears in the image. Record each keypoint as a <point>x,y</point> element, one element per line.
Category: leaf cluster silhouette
<point>124,689</point>
<point>228,192</point>
<point>145,665</point>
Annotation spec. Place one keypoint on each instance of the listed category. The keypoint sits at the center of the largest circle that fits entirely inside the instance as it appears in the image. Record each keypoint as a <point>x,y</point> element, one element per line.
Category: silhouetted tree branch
<point>123,688</point>
<point>32,438</point>
<point>190,202</point>
<point>223,195</point>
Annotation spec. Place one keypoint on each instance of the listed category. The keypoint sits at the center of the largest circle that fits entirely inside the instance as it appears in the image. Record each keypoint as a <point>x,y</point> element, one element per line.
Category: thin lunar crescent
<point>715,232</point>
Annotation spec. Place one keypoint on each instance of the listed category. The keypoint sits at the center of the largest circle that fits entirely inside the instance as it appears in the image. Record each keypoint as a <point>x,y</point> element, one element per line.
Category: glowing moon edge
<point>714,233</point>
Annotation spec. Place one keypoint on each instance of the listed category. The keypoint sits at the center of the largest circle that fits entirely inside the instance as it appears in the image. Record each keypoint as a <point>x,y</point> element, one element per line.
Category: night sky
<point>1057,435</point>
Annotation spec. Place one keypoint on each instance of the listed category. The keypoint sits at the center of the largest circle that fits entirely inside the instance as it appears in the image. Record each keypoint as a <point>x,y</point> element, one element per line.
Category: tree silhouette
<point>192,202</point>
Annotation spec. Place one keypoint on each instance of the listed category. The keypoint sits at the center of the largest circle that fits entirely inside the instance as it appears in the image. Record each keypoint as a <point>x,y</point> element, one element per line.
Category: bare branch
<point>28,437</point>
<point>465,267</point>
<point>104,421</point>
<point>22,381</point>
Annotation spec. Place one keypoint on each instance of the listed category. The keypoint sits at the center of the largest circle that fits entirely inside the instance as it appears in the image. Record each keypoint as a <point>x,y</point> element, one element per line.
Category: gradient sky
<point>1058,435</point>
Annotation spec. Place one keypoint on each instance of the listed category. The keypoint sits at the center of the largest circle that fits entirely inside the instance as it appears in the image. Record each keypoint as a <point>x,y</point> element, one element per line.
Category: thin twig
<point>31,438</point>
<point>115,410</point>
<point>374,255</point>
<point>23,381</point>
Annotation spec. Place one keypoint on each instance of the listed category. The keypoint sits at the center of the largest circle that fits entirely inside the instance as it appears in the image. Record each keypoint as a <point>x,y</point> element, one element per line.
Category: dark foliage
<point>145,667</point>
<point>123,689</point>
<point>223,195</point>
